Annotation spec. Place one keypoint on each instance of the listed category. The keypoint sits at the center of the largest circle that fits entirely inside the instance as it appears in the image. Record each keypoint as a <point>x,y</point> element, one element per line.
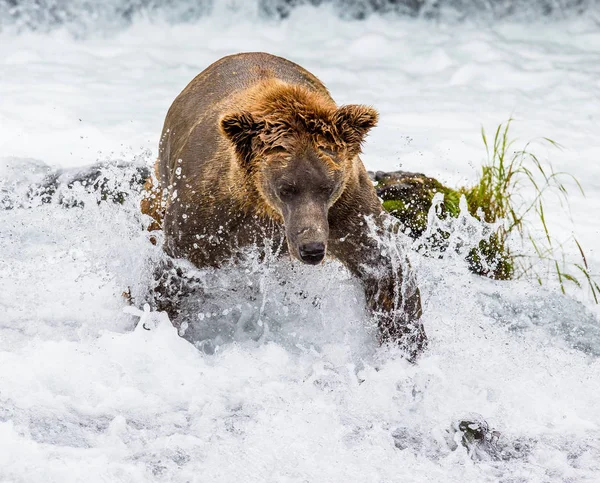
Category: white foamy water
<point>302,393</point>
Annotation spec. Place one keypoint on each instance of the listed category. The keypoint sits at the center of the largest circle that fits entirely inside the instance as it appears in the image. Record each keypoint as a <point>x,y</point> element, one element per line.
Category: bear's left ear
<point>353,122</point>
<point>240,128</point>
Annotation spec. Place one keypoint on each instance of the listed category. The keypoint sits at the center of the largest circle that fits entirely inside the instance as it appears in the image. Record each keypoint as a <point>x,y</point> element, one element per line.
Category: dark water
<point>84,16</point>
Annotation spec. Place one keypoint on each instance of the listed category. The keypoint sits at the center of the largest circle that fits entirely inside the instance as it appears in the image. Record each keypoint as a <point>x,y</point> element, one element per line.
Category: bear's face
<point>301,183</point>
<point>299,164</point>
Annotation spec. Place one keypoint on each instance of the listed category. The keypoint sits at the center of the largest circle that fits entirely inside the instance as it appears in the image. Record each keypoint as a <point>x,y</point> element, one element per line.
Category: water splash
<point>263,298</point>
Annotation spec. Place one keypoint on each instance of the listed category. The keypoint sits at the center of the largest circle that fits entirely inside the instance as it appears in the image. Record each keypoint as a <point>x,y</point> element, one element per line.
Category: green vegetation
<point>496,199</point>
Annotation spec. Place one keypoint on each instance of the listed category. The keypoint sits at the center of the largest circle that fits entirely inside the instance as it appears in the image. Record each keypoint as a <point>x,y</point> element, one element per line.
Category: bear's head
<point>298,150</point>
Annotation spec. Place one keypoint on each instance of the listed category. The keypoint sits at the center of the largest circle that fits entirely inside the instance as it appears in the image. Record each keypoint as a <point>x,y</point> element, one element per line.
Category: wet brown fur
<point>222,139</point>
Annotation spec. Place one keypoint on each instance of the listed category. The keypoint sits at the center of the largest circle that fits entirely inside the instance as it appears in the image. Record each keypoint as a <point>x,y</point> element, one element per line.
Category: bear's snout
<point>312,253</point>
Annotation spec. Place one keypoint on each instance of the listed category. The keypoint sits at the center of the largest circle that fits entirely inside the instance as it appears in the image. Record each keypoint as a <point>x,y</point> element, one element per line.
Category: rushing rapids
<point>286,381</point>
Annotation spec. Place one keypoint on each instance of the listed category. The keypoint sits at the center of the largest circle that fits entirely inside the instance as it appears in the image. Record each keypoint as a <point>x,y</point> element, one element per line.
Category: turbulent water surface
<point>288,383</point>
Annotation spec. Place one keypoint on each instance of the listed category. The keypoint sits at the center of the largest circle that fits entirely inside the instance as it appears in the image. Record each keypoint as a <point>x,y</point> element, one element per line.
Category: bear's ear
<point>240,128</point>
<point>353,122</point>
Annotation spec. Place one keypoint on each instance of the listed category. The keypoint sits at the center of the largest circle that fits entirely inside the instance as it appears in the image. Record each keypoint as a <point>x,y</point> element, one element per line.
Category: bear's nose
<point>312,253</point>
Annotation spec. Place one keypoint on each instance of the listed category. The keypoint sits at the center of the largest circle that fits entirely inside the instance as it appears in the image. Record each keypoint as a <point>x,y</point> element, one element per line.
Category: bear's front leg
<point>395,303</point>
<point>171,286</point>
<point>391,292</point>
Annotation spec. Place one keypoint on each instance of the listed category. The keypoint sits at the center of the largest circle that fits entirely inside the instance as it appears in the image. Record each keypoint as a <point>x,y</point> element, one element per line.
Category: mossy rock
<point>408,196</point>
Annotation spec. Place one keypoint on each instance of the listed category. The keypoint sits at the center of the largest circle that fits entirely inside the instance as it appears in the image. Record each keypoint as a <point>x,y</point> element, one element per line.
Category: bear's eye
<point>326,190</point>
<point>287,191</point>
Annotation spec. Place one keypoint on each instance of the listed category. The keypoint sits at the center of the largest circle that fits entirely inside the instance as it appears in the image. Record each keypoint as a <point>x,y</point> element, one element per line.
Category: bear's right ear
<point>240,128</point>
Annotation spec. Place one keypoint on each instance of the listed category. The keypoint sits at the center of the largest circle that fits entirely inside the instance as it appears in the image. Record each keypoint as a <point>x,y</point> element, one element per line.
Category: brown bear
<point>255,148</point>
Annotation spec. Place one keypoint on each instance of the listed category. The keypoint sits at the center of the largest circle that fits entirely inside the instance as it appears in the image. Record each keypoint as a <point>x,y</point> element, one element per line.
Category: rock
<point>408,197</point>
<point>108,181</point>
<point>474,434</point>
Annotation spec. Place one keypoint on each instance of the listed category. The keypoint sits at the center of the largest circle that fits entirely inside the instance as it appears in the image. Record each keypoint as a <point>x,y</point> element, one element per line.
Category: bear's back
<point>234,73</point>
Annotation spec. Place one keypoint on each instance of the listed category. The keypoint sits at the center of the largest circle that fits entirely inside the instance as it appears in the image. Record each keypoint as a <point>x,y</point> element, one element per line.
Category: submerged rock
<point>32,183</point>
<point>110,182</point>
<point>474,434</point>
